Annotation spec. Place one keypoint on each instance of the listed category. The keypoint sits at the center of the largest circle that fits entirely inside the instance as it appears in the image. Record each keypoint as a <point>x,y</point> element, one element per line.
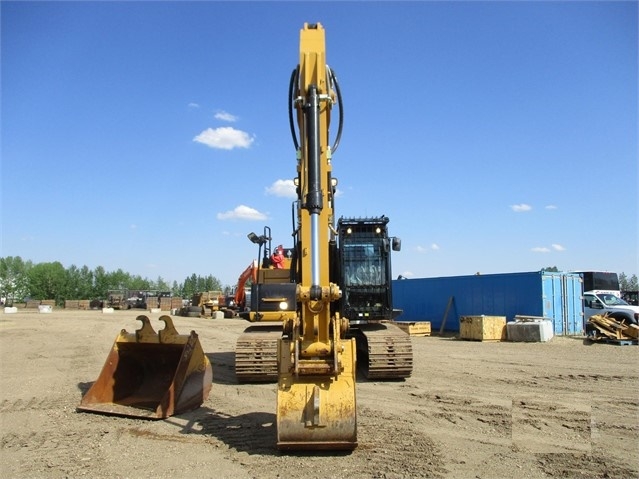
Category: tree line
<point>21,280</point>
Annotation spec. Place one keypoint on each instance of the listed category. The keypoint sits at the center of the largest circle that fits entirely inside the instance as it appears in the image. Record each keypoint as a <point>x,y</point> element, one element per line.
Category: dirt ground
<point>564,408</point>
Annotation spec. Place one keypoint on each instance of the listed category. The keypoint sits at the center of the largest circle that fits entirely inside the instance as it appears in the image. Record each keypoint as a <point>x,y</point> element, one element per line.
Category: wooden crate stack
<point>165,304</point>
<point>176,302</point>
<point>152,302</point>
<point>71,304</point>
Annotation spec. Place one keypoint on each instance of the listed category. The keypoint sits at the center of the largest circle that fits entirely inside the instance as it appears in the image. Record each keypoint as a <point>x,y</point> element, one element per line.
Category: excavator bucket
<point>151,375</point>
<point>316,412</point>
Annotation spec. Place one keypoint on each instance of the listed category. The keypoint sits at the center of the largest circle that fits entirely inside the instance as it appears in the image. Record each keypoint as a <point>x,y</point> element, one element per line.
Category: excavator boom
<point>316,366</point>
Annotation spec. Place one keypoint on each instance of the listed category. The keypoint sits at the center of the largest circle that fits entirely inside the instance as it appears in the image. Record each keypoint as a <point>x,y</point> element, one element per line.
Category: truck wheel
<point>625,319</point>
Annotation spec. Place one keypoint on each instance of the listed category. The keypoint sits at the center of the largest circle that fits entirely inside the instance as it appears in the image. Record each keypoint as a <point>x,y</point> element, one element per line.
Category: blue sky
<point>153,137</point>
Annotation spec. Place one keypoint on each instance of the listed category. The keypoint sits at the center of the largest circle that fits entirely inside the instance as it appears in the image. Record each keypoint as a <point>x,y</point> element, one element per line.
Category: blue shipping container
<point>556,296</point>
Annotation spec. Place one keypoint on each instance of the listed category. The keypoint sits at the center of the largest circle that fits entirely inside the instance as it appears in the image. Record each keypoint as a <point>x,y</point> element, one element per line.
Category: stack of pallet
<point>612,329</point>
<point>165,304</point>
<point>71,304</point>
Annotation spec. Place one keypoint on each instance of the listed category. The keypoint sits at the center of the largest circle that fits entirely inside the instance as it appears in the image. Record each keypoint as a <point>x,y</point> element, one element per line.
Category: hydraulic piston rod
<point>314,200</point>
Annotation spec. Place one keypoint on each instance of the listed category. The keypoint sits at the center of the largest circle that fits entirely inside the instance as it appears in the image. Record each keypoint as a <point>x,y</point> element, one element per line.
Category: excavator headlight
<point>283,306</point>
<point>378,230</point>
<point>349,231</point>
<point>333,182</point>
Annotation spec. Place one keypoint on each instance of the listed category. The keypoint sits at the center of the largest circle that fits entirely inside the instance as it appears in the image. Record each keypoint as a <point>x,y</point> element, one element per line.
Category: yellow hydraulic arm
<point>316,366</point>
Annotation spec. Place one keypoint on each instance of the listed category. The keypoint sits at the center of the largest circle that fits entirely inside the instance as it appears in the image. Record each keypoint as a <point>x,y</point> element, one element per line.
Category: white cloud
<point>225,116</point>
<point>558,247</point>
<point>224,138</point>
<point>551,207</point>
<point>242,212</point>
<point>424,249</point>
<point>520,207</point>
<point>282,188</point>
<point>540,249</point>
<point>193,105</point>
<point>286,189</point>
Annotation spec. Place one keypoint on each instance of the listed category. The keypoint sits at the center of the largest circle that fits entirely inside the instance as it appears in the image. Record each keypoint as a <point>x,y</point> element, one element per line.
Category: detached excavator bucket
<point>151,375</point>
<point>316,412</point>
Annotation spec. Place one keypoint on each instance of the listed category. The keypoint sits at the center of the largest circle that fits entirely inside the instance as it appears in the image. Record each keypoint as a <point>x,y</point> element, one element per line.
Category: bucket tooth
<point>151,375</point>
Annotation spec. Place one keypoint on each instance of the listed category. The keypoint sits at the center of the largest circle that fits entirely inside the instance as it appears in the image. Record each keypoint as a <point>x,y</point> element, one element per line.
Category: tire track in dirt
<point>52,453</point>
<point>464,416</point>
<point>585,466</point>
<point>387,443</point>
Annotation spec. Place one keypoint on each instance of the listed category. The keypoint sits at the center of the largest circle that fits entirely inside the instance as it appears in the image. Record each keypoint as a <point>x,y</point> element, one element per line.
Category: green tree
<point>162,285</point>
<point>20,279</point>
<point>101,284</point>
<point>139,283</point>
<point>190,286</point>
<point>550,269</point>
<point>48,281</point>
<point>628,284</point>
<point>86,279</point>
<point>74,283</point>
<point>14,280</point>
<point>118,279</point>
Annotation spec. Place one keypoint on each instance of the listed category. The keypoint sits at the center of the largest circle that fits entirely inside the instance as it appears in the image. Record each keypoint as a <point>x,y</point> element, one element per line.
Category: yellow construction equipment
<point>321,295</point>
<point>316,406</point>
<point>272,303</point>
<point>151,375</point>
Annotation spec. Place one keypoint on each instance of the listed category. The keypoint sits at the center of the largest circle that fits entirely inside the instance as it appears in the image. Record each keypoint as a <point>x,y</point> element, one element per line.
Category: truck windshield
<point>611,300</point>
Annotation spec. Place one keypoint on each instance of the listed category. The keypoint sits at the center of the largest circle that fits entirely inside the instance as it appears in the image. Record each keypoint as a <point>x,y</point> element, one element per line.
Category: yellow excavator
<point>333,293</point>
<point>155,375</point>
<point>316,406</point>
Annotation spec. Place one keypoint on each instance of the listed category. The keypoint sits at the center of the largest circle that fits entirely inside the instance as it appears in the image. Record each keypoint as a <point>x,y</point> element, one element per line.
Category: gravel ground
<point>565,408</point>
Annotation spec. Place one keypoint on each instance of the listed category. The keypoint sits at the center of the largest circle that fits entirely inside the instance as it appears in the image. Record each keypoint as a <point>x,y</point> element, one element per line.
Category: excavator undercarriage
<point>384,351</point>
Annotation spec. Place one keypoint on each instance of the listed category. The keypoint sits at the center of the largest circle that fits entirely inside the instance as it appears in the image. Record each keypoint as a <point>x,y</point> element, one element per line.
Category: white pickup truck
<point>606,303</point>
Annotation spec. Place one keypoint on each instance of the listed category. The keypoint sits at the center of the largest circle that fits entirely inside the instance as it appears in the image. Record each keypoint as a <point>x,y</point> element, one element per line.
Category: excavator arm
<point>316,381</point>
<point>240,292</point>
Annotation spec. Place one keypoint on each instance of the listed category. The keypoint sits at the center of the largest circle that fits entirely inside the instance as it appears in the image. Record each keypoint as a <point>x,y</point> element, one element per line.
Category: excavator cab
<point>151,375</point>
